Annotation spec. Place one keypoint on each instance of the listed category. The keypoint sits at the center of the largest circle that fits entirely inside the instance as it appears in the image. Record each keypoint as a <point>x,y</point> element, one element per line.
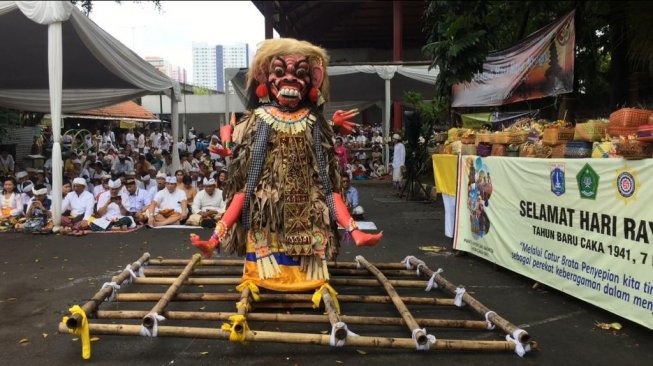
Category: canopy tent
<point>41,40</point>
<point>361,86</point>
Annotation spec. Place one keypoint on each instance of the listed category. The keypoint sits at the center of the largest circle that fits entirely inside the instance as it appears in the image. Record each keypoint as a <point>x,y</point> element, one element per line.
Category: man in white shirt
<point>103,187</point>
<point>77,206</point>
<point>361,139</point>
<point>111,211</point>
<point>141,142</point>
<point>208,206</point>
<point>130,138</point>
<point>169,205</point>
<point>136,200</point>
<point>398,162</point>
<point>160,184</point>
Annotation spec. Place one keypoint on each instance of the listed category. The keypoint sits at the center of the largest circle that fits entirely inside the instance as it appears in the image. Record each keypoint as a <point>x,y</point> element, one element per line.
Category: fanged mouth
<point>288,93</point>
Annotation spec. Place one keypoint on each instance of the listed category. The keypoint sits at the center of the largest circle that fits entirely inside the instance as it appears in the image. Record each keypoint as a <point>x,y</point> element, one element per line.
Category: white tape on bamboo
<point>520,349</point>
<point>458,300</point>
<point>430,340</point>
<point>490,325</point>
<point>114,288</point>
<point>333,341</point>
<point>145,332</point>
<point>432,284</point>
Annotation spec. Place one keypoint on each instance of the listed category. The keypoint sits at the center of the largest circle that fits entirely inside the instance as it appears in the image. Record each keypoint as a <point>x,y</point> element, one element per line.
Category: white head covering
<point>115,183</point>
<point>171,180</point>
<point>131,172</point>
<point>145,178</point>
<point>40,192</point>
<point>21,174</point>
<point>27,186</point>
<point>160,175</point>
<point>77,161</point>
<point>80,181</point>
<point>106,176</point>
<point>194,169</point>
<point>209,182</point>
<point>396,137</point>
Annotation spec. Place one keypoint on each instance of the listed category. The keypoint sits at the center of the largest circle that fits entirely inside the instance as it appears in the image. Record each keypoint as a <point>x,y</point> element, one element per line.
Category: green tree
<point>613,43</point>
<point>87,5</point>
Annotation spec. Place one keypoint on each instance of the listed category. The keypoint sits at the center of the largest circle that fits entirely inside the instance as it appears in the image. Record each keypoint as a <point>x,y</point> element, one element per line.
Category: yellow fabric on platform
<point>236,320</point>
<point>445,173</point>
<point>82,331</point>
<point>291,279</point>
<point>317,297</point>
<point>253,289</point>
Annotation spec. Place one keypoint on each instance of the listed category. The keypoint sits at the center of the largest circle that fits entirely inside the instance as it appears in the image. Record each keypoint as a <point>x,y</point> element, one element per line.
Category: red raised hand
<point>341,119</point>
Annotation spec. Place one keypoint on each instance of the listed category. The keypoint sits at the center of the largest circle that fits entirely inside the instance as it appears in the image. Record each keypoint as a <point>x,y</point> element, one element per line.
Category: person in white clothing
<point>192,138</point>
<point>130,138</point>
<point>159,184</point>
<point>398,162</point>
<point>140,144</point>
<point>112,215</point>
<point>168,206</point>
<point>102,187</point>
<point>11,204</point>
<point>208,206</point>
<point>77,207</point>
<point>136,200</point>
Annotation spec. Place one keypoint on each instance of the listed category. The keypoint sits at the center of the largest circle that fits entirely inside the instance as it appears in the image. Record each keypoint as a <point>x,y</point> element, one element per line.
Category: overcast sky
<point>171,32</point>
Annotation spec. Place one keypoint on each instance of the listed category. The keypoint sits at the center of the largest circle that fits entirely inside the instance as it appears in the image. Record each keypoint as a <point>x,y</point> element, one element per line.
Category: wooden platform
<point>157,297</point>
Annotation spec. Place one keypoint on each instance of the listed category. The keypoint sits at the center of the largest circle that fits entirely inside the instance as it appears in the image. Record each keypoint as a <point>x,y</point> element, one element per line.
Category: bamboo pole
<point>242,307</point>
<point>298,338</point>
<point>150,319</point>
<point>238,280</point>
<point>237,271</point>
<point>240,262</point>
<point>332,314</point>
<point>295,318</point>
<point>476,305</point>
<point>75,320</point>
<point>199,296</point>
<point>419,335</point>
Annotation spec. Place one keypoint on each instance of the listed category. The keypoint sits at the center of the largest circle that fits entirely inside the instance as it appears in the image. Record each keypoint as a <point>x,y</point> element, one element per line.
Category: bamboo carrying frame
<point>179,274</point>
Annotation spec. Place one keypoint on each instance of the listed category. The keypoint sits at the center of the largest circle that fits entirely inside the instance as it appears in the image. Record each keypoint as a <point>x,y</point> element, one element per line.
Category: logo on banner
<point>588,182</point>
<point>626,184</point>
<point>558,179</point>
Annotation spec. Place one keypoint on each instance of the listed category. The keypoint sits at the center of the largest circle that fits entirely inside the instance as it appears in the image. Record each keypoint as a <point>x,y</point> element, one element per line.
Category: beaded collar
<point>290,122</point>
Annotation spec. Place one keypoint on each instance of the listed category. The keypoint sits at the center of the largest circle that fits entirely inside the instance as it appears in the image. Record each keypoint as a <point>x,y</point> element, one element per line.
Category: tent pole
<point>226,102</point>
<point>55,76</point>
<point>386,127</point>
<point>174,113</point>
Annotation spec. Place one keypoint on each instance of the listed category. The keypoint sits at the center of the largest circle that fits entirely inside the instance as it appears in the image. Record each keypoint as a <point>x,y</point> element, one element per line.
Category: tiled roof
<point>122,110</point>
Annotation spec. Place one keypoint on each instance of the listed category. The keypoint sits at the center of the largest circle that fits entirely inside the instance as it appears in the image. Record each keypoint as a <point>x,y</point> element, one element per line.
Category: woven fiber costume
<point>283,190</point>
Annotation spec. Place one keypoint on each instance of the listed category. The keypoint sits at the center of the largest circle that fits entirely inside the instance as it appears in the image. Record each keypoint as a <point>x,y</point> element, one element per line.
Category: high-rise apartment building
<point>209,63</point>
<point>232,56</point>
<point>174,72</point>
<point>204,66</point>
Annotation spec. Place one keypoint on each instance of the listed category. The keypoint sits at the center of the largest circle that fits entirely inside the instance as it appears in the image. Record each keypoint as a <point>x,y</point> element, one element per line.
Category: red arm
<point>230,216</point>
<point>345,220</point>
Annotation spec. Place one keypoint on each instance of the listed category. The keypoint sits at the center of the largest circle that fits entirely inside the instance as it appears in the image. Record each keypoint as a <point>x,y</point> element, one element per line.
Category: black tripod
<point>412,177</point>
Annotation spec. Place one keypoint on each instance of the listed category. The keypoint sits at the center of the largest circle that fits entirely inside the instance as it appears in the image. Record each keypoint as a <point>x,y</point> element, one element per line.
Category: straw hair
<point>271,48</point>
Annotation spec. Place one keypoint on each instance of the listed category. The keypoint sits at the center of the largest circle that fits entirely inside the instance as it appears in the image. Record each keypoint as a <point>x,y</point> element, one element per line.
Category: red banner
<point>541,65</point>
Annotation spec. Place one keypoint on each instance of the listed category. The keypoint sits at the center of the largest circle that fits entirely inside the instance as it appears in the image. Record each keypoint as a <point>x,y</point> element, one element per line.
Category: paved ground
<point>41,276</point>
